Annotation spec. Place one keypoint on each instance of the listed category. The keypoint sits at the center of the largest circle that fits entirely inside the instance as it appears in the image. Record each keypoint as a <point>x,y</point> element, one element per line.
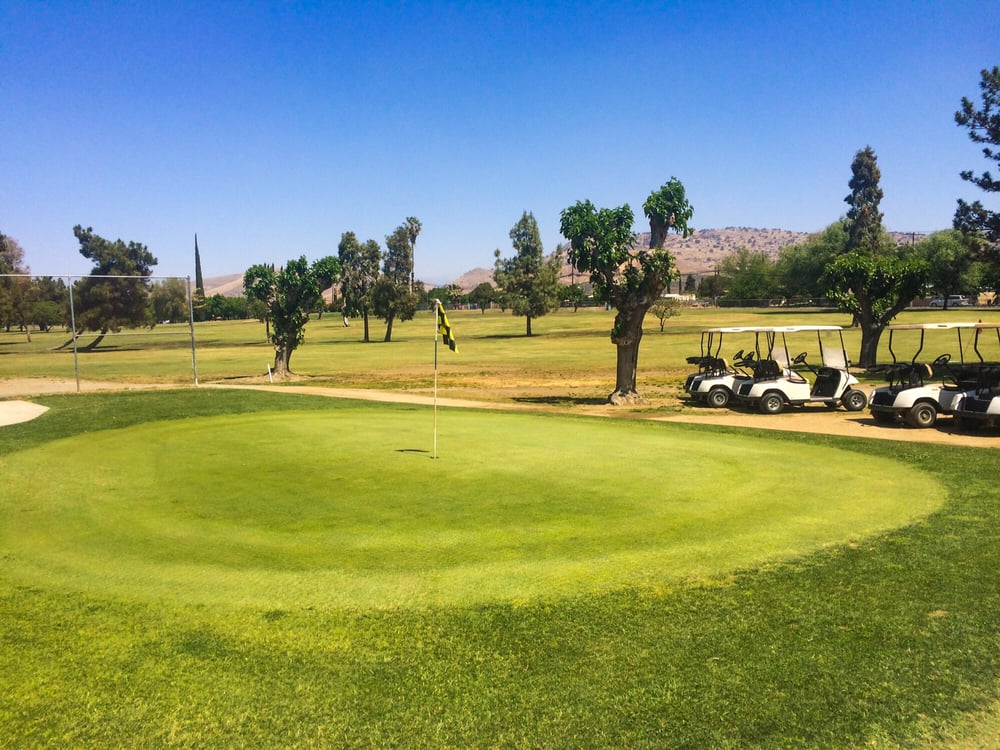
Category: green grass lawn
<point>206,568</point>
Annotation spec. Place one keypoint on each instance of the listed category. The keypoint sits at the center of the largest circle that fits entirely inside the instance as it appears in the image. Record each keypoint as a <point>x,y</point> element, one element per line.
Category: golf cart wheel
<point>922,415</point>
<point>718,397</point>
<point>772,403</point>
<point>854,400</point>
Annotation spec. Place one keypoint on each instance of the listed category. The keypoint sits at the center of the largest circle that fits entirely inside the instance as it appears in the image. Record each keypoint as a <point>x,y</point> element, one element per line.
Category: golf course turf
<point>238,569</point>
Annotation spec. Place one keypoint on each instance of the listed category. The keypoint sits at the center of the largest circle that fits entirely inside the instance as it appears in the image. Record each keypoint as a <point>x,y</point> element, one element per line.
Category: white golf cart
<point>918,391</point>
<point>981,406</point>
<point>717,378</point>
<point>783,382</point>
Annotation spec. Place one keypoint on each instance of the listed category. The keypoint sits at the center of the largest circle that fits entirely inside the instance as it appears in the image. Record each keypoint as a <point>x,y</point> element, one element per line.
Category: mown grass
<point>888,640</point>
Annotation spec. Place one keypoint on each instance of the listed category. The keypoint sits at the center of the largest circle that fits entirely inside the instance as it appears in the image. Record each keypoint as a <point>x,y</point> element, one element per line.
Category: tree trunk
<point>626,335</point>
<point>282,362</point>
<point>388,327</point>
<point>871,333</point>
<point>365,317</point>
<point>527,325</point>
<point>96,342</point>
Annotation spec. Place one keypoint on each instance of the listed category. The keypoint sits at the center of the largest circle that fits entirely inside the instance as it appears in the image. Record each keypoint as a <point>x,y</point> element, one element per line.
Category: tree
<point>630,280</point>
<point>198,296</point>
<point>799,268</point>
<point>664,308</point>
<point>748,275</point>
<point>14,306</point>
<point>392,296</point>
<point>874,280</point>
<point>287,295</point>
<point>359,272</point>
<point>573,294</point>
<point>327,275</point>
<point>48,300</point>
<point>105,304</point>
<point>529,282</point>
<point>983,125</point>
<point>864,219</point>
<point>949,258</point>
<point>169,300</point>
<point>482,296</point>
<point>875,290</point>
<point>413,227</point>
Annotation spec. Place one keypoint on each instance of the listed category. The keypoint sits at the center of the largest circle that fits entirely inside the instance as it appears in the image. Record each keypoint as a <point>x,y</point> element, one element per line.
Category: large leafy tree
<point>800,267</point>
<point>359,269</point>
<point>528,281</point>
<point>950,266</point>
<point>983,124</point>
<point>483,295</point>
<point>873,279</point>
<point>287,296</point>
<point>109,304</point>
<point>627,277</point>
<point>169,300</point>
<point>748,275</point>
<point>393,297</point>
<point>14,306</point>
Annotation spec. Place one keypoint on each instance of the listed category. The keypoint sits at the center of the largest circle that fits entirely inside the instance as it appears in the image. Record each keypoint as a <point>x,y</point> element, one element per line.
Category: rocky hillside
<point>697,254</point>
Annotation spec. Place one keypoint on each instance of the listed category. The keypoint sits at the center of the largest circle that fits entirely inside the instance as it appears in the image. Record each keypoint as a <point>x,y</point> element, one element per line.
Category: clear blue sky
<point>269,129</point>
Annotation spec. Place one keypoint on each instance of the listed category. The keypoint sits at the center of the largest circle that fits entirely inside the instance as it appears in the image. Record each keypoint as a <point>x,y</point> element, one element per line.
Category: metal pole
<point>437,313</point>
<point>194,358</point>
<point>72,319</point>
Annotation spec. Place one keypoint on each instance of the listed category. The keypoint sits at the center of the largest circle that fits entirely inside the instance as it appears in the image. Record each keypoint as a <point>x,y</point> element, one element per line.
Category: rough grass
<point>571,357</point>
<point>888,640</point>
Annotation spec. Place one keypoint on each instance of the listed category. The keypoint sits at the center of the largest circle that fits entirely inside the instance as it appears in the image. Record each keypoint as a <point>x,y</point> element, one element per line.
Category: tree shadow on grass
<point>561,400</point>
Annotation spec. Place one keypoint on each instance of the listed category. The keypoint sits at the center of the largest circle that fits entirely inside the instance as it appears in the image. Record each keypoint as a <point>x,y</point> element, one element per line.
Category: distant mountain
<point>228,286</point>
<point>698,254</point>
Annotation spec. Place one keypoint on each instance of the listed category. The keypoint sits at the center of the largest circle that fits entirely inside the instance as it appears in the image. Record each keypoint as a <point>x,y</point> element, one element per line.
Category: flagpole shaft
<point>435,452</point>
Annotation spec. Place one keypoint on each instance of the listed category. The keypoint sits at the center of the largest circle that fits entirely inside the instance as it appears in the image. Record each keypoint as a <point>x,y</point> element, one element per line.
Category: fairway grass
<point>348,509</point>
<point>172,563</point>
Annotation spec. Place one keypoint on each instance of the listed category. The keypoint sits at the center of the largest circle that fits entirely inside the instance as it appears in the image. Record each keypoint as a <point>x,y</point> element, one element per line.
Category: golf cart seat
<point>921,371</point>
<point>827,382</point>
<point>767,369</point>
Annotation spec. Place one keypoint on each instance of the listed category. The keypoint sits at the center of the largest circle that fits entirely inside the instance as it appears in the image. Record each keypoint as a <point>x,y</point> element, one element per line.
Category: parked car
<point>954,300</point>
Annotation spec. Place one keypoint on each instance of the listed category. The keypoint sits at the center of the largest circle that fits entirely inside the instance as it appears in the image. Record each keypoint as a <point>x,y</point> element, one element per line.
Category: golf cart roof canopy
<point>939,326</point>
<point>747,329</point>
<point>796,329</point>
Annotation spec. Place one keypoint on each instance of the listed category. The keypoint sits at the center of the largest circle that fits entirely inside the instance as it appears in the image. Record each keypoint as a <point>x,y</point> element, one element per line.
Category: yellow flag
<point>444,328</point>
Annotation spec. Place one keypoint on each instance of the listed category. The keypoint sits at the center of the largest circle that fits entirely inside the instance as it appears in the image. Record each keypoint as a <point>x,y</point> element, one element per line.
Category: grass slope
<point>881,641</point>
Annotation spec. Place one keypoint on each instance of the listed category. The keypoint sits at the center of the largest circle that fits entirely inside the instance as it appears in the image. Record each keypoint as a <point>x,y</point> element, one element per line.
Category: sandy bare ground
<point>809,420</point>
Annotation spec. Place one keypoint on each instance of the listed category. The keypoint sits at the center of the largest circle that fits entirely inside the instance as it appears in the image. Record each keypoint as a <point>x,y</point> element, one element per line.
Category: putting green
<point>346,508</point>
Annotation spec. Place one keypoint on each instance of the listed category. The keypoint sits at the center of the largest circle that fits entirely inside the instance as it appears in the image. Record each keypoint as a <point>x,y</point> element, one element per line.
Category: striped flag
<point>444,328</point>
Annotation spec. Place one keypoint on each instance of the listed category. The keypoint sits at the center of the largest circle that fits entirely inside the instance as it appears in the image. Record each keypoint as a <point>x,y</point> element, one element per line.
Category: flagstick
<point>436,327</point>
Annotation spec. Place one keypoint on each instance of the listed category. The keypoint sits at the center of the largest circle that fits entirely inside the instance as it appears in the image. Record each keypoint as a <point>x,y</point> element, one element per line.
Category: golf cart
<point>981,405</point>
<point>717,379</point>
<point>781,382</point>
<point>918,391</point>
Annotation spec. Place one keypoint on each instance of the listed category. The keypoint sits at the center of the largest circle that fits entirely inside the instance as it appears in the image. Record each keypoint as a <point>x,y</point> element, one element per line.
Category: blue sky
<point>269,129</point>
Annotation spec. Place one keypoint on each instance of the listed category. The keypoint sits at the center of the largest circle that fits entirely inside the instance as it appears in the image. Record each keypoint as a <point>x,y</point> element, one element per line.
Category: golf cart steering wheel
<point>738,356</point>
<point>799,359</point>
<point>942,360</point>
